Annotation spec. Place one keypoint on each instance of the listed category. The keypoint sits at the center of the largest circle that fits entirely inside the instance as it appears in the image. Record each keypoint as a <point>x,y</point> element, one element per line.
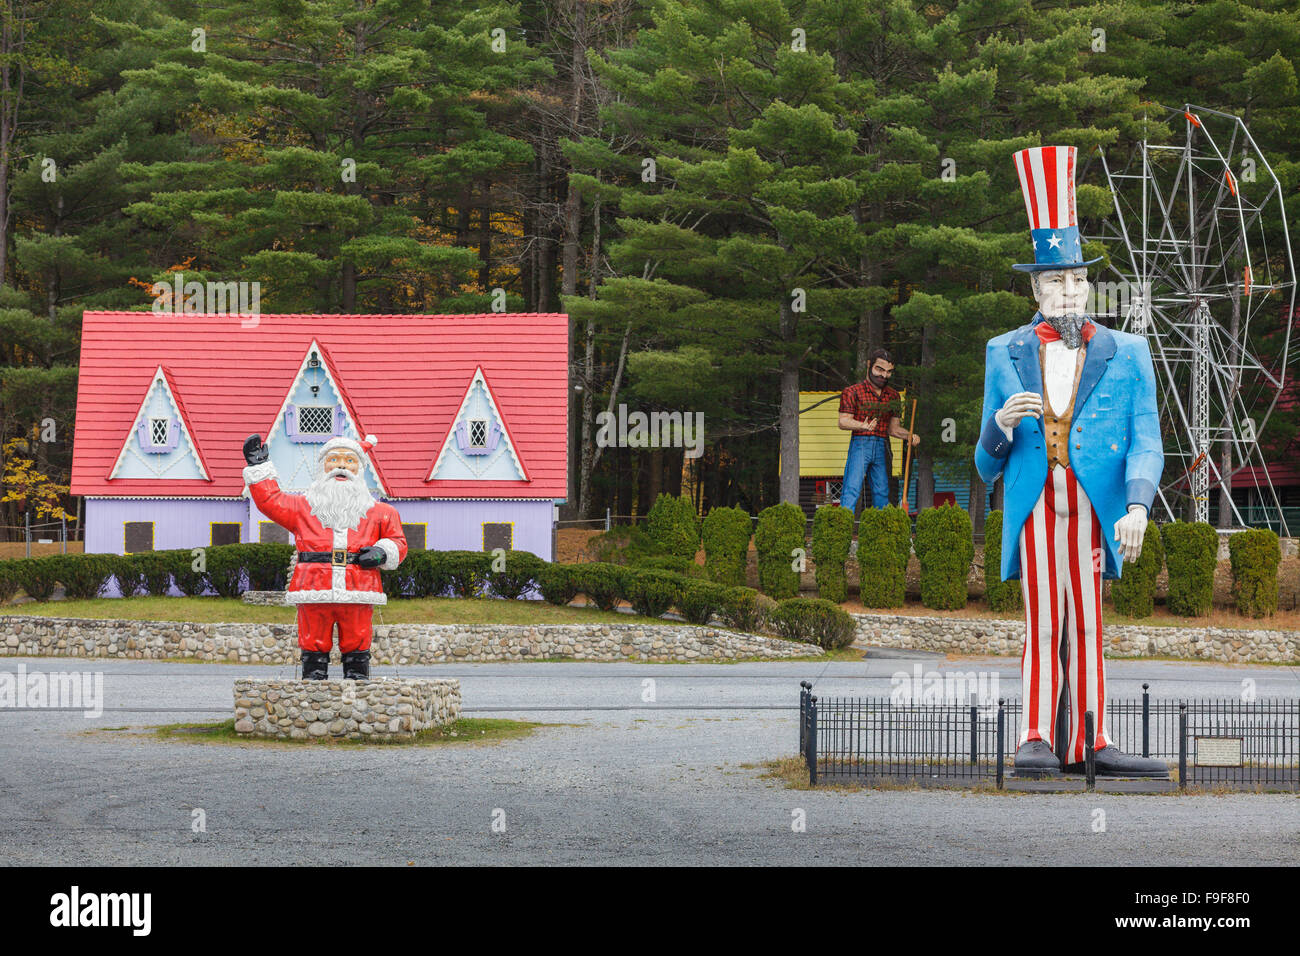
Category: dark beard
<point>1070,327</point>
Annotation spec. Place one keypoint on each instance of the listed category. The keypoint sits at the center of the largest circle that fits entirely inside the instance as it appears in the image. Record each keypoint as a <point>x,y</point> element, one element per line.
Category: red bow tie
<point>1048,334</point>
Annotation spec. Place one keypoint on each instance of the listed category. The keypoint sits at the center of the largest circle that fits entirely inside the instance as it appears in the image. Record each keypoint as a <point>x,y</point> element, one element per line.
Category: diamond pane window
<point>315,419</point>
<point>158,430</point>
<point>478,432</point>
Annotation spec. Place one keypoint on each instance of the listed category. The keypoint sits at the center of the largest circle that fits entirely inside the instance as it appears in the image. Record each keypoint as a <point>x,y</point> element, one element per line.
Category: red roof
<point>403,378</point>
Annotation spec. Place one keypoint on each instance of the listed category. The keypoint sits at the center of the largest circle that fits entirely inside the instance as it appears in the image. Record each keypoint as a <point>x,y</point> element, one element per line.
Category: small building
<point>470,412</point>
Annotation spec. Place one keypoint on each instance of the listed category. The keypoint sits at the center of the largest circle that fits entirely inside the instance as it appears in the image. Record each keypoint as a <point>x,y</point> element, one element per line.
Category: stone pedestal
<point>386,708</point>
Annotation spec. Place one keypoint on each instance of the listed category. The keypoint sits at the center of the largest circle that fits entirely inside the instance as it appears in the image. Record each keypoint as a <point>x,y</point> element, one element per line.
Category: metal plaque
<point>1218,751</point>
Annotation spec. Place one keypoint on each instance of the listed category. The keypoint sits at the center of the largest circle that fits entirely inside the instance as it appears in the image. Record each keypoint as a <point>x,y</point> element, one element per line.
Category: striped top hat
<point>1047,180</point>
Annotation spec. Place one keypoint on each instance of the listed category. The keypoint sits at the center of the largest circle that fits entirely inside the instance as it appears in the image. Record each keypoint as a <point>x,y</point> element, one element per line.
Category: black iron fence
<point>1207,742</point>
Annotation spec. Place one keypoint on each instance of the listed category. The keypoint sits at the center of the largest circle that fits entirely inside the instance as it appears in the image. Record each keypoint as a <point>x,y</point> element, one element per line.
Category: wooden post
<point>907,457</point>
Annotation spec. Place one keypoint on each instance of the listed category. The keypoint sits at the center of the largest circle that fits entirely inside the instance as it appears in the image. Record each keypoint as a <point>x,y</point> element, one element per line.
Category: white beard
<point>339,505</point>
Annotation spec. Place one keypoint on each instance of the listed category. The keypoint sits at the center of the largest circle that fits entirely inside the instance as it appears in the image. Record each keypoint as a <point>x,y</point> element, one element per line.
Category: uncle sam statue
<point>1070,421</point>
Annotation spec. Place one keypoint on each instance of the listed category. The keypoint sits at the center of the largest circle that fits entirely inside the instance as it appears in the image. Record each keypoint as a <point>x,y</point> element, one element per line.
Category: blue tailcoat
<point>1115,447</point>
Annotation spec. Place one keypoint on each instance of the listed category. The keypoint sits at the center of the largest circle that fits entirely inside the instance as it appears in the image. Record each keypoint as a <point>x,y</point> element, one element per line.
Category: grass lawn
<point>464,731</point>
<point>414,611</point>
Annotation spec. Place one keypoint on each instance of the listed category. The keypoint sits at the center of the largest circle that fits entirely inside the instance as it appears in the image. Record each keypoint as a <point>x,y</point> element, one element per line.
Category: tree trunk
<point>978,490</point>
<point>923,464</point>
<point>789,420</point>
<point>588,459</point>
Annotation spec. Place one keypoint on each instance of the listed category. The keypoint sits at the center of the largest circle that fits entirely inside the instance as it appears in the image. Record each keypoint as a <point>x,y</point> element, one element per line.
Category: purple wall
<point>184,523</point>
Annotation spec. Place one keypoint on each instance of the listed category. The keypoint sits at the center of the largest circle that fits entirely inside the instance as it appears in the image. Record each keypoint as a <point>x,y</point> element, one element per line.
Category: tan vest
<point>1056,428</point>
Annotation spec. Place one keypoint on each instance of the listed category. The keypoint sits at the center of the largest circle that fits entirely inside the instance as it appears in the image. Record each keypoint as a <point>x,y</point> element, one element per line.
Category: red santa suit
<point>338,592</point>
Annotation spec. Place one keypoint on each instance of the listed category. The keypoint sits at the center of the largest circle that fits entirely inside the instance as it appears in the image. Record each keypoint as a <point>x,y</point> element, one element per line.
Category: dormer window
<point>315,419</point>
<point>478,430</point>
<point>158,431</point>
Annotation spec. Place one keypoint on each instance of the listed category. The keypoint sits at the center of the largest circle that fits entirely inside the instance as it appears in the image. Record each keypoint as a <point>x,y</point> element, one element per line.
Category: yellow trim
<point>422,524</point>
<point>211,532</point>
<point>152,539</point>
<point>483,534</point>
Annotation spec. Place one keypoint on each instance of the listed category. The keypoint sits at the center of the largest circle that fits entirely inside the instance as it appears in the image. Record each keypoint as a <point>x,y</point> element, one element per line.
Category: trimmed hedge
<point>945,545</point>
<point>813,621</point>
<point>1191,554</point>
<point>1254,556</point>
<point>652,593</point>
<point>998,594</point>
<point>1134,592</point>
<point>8,580</point>
<point>743,610</point>
<point>557,584</point>
<point>467,571</point>
<point>37,576</point>
<point>701,600</point>
<point>672,564</point>
<point>603,584</point>
<point>82,575</point>
<point>623,544</point>
<point>832,532</point>
<point>726,533</point>
<point>518,577</point>
<point>673,526</point>
<point>780,531</point>
<point>156,570</point>
<point>884,545</point>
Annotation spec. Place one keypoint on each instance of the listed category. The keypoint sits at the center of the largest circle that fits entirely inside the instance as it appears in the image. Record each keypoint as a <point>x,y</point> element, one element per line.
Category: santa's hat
<point>361,449</point>
<point>1047,181</point>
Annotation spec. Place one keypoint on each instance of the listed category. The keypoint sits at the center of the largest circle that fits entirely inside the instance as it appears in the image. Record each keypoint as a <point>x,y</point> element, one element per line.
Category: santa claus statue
<point>344,538</point>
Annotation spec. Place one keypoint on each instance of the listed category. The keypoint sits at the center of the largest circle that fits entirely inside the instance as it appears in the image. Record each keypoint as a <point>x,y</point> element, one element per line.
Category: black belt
<point>328,557</point>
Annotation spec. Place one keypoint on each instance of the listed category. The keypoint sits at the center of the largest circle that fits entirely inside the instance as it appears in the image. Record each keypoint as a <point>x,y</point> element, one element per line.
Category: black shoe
<point>315,665</point>
<point>1112,762</point>
<point>356,665</point>
<point>1035,757</point>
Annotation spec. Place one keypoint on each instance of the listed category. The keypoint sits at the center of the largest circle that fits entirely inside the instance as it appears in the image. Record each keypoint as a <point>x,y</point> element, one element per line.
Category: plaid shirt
<point>863,400</point>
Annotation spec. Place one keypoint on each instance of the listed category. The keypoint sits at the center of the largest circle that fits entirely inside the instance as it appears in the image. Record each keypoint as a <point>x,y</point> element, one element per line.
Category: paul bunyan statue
<point>344,538</point>
<point>1070,422</point>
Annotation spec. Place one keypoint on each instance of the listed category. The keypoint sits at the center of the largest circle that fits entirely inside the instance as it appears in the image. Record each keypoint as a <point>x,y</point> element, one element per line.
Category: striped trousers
<point>1061,562</point>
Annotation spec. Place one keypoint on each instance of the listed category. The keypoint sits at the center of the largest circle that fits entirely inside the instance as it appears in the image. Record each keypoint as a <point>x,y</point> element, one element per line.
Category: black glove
<point>254,451</point>
<point>371,557</point>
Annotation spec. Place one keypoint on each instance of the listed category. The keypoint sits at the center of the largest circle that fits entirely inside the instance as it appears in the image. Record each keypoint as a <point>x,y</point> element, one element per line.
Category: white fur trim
<point>335,596</point>
<point>340,441</point>
<point>338,576</point>
<point>391,557</point>
<point>255,473</point>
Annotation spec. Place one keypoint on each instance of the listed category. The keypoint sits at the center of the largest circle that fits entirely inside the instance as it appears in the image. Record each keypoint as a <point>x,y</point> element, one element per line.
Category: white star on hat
<point>1054,242</point>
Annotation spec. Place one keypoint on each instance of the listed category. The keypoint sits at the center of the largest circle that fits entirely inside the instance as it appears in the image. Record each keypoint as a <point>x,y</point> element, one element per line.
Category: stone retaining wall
<point>32,636</point>
<point>379,709</point>
<point>975,636</point>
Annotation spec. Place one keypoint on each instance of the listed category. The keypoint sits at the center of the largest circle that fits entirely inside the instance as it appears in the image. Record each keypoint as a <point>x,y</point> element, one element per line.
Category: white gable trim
<point>160,379</point>
<point>477,377</point>
<point>278,423</point>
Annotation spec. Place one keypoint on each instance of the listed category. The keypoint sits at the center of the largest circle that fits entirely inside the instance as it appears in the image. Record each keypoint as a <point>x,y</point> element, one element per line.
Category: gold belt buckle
<point>339,557</point>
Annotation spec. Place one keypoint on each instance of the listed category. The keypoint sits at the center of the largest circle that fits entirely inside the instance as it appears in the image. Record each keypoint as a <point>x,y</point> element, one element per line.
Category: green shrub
<point>673,526</point>
<point>832,532</point>
<point>1134,592</point>
<point>127,574</point>
<point>467,571</point>
<point>813,621</point>
<point>743,610</point>
<point>226,567</point>
<point>1191,554</point>
<point>998,594</point>
<point>603,584</point>
<point>673,564</point>
<point>884,546</point>
<point>268,565</point>
<point>37,576</point>
<point>518,576</point>
<point>945,545</point>
<point>726,533</point>
<point>652,593</point>
<point>8,581</point>
<point>82,575</point>
<point>155,568</point>
<point>188,581</point>
<point>410,579</point>
<point>557,585</point>
<point>701,600</point>
<point>1255,555</point>
<point>622,544</point>
<point>780,532</point>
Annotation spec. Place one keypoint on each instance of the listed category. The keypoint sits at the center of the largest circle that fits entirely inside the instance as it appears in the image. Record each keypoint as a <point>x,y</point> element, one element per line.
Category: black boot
<point>1035,759</point>
<point>356,665</point>
<point>1113,762</point>
<point>315,665</point>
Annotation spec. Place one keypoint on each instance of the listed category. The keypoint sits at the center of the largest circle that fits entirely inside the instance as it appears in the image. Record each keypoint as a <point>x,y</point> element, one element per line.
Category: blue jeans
<point>869,456</point>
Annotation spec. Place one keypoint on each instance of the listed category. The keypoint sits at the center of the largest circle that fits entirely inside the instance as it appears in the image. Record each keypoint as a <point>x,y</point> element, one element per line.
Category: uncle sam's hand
<point>1129,532</point>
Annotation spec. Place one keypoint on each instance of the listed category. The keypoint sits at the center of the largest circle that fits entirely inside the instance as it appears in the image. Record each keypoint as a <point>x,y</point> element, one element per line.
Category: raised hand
<point>255,452</point>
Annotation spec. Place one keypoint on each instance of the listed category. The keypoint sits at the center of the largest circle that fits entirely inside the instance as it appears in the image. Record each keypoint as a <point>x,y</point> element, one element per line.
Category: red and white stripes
<point>1047,181</point>
<point>1061,560</point>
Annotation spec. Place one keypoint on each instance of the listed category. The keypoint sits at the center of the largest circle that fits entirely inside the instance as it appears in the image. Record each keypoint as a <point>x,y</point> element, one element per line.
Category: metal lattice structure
<point>1201,265</point>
